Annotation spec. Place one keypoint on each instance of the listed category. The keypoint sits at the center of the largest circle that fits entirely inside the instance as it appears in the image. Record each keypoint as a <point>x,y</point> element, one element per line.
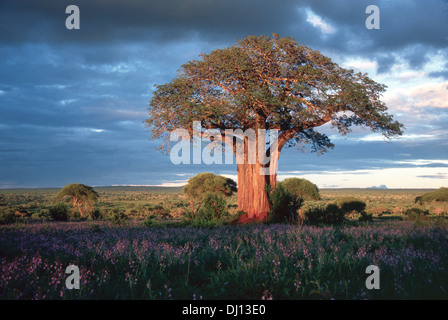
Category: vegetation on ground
<point>142,246</point>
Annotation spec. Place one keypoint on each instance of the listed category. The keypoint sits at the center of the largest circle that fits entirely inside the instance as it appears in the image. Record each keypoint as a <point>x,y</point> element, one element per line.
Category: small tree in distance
<point>81,197</point>
<point>439,195</point>
<point>302,188</point>
<point>205,183</point>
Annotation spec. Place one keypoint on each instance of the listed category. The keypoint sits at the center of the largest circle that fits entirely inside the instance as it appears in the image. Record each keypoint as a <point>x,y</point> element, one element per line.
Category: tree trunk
<point>253,197</point>
<point>253,180</point>
<point>80,209</point>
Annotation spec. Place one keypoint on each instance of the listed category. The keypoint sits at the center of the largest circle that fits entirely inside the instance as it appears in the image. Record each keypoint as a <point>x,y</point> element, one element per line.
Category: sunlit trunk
<point>255,180</point>
<point>253,197</point>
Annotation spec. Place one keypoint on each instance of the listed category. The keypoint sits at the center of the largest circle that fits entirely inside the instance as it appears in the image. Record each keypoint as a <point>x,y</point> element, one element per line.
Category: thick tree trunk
<point>253,180</point>
<point>253,197</point>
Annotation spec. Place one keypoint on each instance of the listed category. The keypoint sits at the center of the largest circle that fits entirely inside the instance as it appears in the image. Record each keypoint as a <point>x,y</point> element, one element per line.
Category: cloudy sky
<point>73,102</point>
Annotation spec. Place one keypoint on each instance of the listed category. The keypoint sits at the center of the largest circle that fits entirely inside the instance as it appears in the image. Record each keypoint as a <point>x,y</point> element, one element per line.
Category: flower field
<point>277,261</point>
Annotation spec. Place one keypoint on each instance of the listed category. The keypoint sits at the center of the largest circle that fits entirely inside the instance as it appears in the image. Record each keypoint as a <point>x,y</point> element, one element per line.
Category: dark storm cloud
<point>417,26</point>
<point>411,30</point>
<point>403,23</point>
<point>385,62</point>
<point>73,102</point>
<point>130,21</point>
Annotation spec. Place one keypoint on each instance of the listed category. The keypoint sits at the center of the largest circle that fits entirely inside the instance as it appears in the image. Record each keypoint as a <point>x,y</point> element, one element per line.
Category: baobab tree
<point>267,83</point>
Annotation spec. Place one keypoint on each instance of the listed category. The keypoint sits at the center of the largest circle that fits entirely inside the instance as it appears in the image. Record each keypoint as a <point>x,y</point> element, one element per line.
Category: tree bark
<point>253,198</point>
<point>79,205</point>
<point>253,182</point>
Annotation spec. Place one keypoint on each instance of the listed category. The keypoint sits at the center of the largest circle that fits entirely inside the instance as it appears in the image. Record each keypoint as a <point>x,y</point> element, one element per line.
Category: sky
<point>73,101</point>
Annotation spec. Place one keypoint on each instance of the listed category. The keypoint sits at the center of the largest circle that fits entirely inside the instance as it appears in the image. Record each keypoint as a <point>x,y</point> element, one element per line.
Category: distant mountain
<point>379,187</point>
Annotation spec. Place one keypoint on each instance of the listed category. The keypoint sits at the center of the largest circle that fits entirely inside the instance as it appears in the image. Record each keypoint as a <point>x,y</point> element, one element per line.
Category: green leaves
<point>81,196</point>
<point>203,185</point>
<point>302,188</point>
<point>77,190</point>
<point>274,82</point>
<point>200,185</point>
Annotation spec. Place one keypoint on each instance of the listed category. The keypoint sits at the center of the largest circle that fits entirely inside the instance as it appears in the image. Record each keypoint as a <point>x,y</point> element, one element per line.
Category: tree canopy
<point>81,196</point>
<point>270,83</point>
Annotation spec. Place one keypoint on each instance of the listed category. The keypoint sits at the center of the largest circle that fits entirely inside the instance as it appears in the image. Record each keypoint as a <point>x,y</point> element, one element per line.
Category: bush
<point>332,214</point>
<point>22,212</point>
<point>59,212</point>
<point>96,214</point>
<point>284,205</point>
<point>7,216</point>
<point>350,204</point>
<point>160,211</point>
<point>149,221</point>
<point>440,222</point>
<point>42,214</point>
<point>439,195</point>
<point>365,217</point>
<point>416,212</point>
<point>117,216</point>
<point>301,188</point>
<point>213,208</point>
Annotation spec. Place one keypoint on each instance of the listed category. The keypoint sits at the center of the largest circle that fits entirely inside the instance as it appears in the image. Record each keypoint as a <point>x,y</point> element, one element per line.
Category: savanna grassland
<point>167,256</point>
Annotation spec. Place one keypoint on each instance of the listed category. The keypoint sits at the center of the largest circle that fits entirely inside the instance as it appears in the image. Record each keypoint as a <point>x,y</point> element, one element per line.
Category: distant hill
<point>383,187</point>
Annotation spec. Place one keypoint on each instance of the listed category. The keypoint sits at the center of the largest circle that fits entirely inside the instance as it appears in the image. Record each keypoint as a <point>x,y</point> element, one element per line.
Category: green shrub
<point>95,214</point>
<point>416,212</point>
<point>365,217</point>
<point>22,212</point>
<point>59,212</point>
<point>117,216</point>
<point>331,214</point>
<point>284,205</point>
<point>301,188</point>
<point>439,195</point>
<point>213,208</point>
<point>440,222</point>
<point>160,211</point>
<point>41,214</point>
<point>7,216</point>
<point>149,221</point>
<point>350,204</point>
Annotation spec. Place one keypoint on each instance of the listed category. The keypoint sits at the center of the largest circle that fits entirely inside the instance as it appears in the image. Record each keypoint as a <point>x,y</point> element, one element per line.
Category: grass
<point>228,262</point>
<point>173,259</point>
